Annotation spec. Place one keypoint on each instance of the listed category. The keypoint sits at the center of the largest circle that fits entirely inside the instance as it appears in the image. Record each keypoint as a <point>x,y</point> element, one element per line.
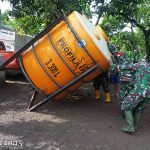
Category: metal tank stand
<point>61,89</point>
<point>32,107</point>
<point>32,100</point>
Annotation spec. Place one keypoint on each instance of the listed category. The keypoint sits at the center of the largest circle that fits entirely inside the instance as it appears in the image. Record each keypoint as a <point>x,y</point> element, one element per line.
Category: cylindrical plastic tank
<point>50,67</point>
<point>102,33</point>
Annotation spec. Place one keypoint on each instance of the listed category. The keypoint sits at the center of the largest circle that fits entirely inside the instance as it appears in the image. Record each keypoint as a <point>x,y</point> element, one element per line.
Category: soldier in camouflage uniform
<point>126,77</point>
<point>137,94</point>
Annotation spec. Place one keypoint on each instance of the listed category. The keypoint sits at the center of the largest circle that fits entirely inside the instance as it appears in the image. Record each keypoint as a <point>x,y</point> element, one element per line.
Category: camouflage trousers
<point>125,89</point>
<point>134,101</point>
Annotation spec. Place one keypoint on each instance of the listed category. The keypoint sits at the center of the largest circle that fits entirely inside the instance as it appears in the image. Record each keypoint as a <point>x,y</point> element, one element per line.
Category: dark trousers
<point>101,80</point>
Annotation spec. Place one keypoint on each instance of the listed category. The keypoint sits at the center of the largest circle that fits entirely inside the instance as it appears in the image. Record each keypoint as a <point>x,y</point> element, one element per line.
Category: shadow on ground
<point>79,122</point>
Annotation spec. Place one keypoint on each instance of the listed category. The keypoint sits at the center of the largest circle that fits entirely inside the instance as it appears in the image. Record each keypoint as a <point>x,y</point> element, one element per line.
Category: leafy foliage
<point>32,16</point>
<point>134,12</point>
<point>124,36</point>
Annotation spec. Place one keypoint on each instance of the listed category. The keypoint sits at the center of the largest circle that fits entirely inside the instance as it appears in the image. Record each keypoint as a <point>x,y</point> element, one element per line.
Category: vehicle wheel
<point>2,76</point>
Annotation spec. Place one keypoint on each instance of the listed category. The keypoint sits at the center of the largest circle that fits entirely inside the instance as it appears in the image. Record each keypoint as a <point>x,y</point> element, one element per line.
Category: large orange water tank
<point>58,57</point>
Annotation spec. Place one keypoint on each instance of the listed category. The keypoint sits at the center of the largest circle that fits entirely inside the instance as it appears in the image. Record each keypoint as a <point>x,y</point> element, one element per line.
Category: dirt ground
<point>79,122</point>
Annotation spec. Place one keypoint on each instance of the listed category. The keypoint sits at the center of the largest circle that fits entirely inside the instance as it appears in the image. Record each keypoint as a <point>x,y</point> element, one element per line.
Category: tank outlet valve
<point>82,43</point>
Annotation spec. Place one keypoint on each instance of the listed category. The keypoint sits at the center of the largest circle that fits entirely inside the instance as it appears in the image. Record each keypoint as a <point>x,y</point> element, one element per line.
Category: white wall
<point>12,40</point>
<point>21,40</point>
<point>8,37</point>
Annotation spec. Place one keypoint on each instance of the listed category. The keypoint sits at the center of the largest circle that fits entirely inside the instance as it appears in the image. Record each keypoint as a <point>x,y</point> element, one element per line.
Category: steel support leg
<point>32,100</point>
<point>64,88</point>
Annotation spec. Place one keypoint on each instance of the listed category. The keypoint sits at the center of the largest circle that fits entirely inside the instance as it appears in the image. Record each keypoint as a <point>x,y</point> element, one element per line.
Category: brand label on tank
<point>79,64</point>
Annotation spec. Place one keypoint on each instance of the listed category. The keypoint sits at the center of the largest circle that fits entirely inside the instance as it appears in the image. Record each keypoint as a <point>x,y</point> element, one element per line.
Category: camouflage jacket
<point>141,73</point>
<point>120,58</point>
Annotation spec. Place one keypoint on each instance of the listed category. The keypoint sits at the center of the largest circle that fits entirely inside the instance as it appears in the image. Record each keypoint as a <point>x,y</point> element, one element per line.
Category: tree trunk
<point>146,34</point>
<point>99,16</point>
<point>147,44</point>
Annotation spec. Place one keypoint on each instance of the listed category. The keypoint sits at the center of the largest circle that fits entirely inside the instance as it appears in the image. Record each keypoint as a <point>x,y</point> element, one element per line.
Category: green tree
<point>32,16</point>
<point>135,12</point>
<point>127,40</point>
<point>8,21</point>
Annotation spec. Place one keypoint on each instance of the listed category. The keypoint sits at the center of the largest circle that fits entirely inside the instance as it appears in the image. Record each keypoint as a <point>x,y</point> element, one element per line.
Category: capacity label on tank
<point>51,66</point>
<point>78,64</point>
